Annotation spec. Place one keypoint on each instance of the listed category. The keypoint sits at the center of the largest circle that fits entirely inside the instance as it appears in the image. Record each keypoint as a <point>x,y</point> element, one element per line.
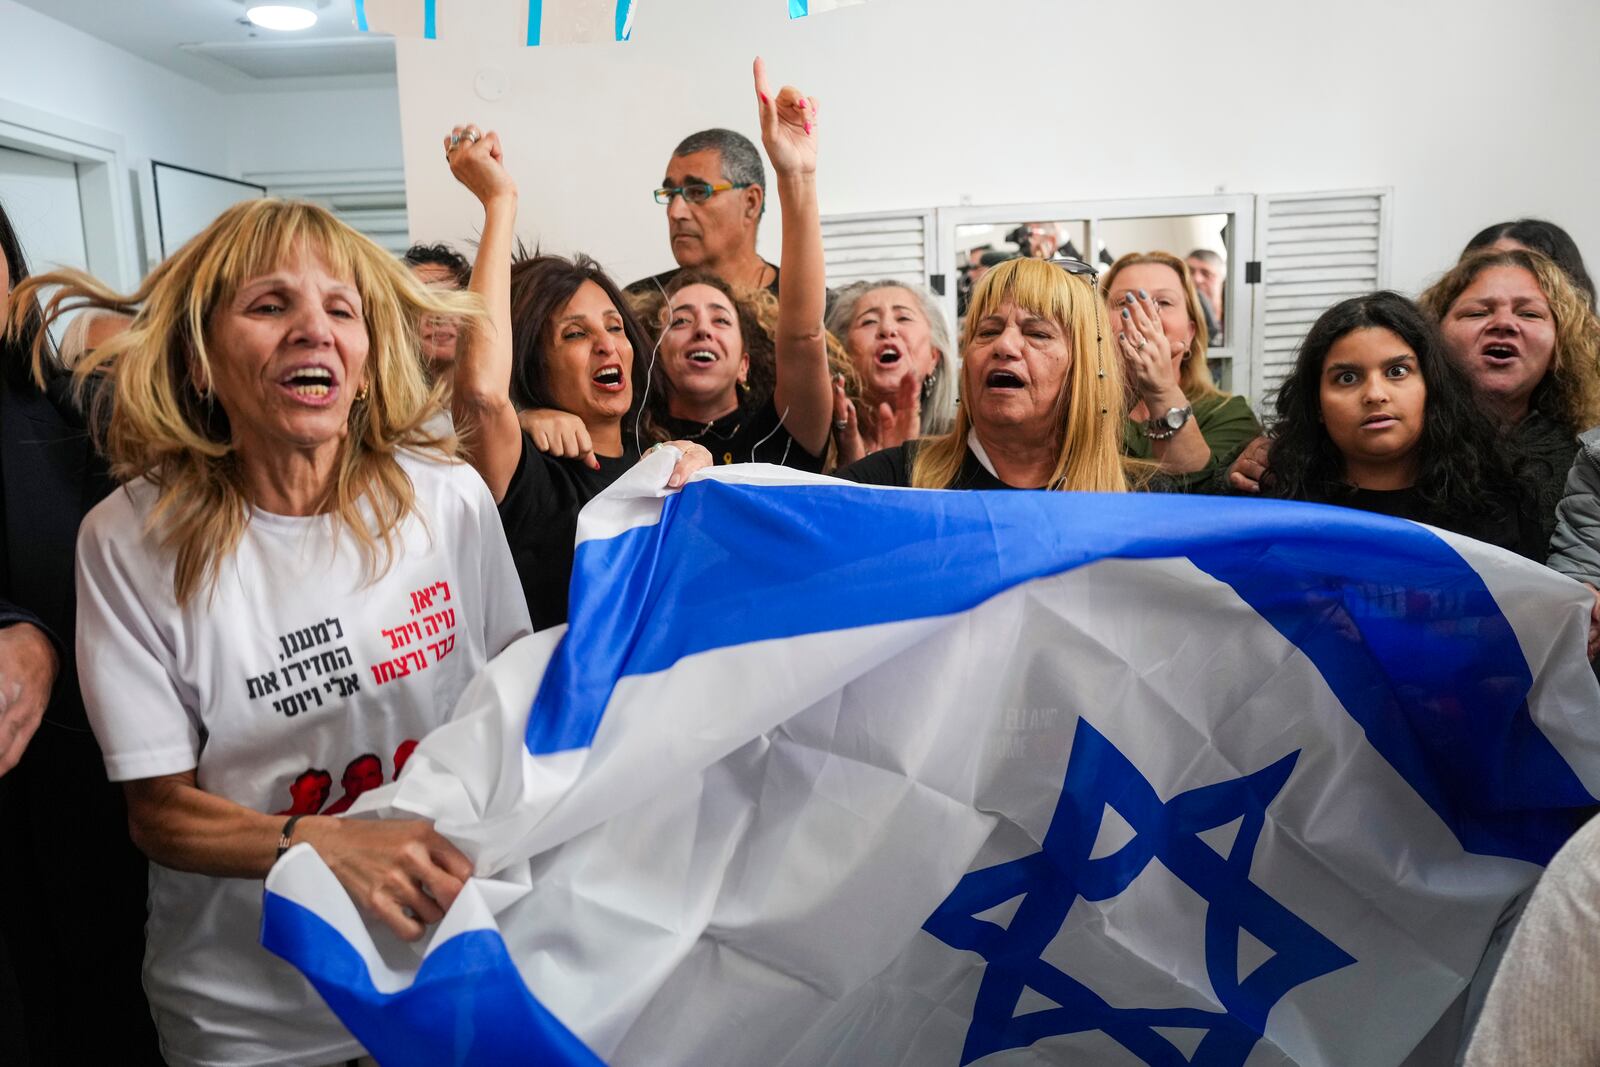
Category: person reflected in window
<point>438,266</point>
<point>1178,418</point>
<point>1210,273</point>
<point>1375,416</point>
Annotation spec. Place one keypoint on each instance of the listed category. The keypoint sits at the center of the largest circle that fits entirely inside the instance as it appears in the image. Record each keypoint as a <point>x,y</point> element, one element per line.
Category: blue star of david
<point>1051,879</point>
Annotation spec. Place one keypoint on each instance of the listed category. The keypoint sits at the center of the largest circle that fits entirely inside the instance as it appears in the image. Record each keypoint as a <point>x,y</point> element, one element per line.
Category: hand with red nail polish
<point>788,126</point>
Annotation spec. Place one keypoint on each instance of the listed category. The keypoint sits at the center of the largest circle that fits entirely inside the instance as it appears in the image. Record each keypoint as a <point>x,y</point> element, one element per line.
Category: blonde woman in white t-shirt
<point>293,586</point>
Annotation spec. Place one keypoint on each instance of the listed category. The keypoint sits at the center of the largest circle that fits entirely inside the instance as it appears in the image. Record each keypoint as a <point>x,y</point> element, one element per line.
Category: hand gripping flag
<point>822,774</point>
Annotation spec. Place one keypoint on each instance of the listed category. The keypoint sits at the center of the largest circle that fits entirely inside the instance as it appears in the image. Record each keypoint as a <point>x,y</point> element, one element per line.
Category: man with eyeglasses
<point>715,193</point>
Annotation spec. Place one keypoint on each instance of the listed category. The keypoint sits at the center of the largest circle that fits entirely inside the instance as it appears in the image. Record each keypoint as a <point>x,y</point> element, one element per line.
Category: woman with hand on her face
<point>1177,416</point>
<point>1042,395</point>
<point>1375,417</point>
<point>1523,333</point>
<point>899,343</point>
<point>295,576</point>
<point>560,339</point>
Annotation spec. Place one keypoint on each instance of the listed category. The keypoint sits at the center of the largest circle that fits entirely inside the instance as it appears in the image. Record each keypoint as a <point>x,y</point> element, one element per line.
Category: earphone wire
<point>650,370</point>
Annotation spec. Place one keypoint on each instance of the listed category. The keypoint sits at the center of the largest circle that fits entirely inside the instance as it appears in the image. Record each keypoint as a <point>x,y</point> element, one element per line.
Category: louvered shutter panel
<point>879,245</point>
<point>1315,249</point>
<point>373,203</point>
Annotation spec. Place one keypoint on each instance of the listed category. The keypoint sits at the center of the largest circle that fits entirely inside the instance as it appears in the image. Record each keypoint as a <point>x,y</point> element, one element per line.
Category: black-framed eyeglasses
<point>697,192</point>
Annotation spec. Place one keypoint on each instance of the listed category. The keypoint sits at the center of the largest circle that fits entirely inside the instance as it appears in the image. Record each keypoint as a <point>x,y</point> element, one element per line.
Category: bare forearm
<point>481,400</point>
<point>803,388</point>
<point>180,826</point>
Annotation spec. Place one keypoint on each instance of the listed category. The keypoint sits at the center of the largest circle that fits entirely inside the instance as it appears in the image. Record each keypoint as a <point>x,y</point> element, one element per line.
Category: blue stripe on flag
<point>535,21</point>
<point>430,25</point>
<point>624,19</point>
<point>361,15</point>
<point>798,8</point>
<point>467,1005</point>
<point>732,564</point>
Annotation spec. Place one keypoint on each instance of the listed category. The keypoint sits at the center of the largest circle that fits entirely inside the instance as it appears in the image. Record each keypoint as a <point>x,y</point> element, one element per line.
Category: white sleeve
<point>123,665</point>
<point>505,611</point>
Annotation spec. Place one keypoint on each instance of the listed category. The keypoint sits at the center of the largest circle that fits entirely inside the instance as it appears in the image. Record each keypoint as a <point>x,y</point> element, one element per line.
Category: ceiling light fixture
<point>281,16</point>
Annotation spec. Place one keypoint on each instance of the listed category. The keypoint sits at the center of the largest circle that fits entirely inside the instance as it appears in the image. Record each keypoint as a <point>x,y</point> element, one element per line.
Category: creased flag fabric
<point>823,774</point>
<point>402,18</point>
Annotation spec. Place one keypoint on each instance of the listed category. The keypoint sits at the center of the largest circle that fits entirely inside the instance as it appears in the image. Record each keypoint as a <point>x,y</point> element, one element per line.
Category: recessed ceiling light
<point>281,16</point>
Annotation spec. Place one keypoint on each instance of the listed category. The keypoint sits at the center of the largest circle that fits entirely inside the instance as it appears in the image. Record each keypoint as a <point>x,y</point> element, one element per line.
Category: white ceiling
<point>205,40</point>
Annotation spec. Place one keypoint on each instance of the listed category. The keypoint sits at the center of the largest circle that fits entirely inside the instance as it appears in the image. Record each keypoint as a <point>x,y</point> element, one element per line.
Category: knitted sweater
<point>1543,1009</point>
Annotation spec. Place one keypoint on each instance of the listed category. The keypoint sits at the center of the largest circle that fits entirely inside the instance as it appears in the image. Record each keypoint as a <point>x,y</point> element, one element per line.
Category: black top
<point>746,435</point>
<point>1521,534</point>
<point>892,466</point>
<point>540,516</point>
<point>659,282</point>
<point>1548,448</point>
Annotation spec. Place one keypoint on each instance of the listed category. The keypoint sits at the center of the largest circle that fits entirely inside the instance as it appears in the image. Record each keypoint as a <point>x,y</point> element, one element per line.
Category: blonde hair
<point>1194,374</point>
<point>1570,391</point>
<point>153,422</point>
<point>1092,405</point>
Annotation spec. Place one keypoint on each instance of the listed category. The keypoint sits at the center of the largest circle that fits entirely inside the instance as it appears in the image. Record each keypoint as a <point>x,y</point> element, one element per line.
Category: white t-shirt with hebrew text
<point>293,685</point>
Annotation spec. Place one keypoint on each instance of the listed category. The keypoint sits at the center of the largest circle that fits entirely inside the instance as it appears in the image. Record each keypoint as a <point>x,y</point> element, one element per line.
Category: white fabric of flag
<point>823,774</point>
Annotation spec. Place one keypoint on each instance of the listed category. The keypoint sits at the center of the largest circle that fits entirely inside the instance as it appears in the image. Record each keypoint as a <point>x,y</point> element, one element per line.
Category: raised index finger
<point>763,89</point>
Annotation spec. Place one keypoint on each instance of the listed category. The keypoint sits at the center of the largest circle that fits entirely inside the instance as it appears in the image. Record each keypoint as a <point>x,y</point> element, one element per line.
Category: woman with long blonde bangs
<point>1177,416</point>
<point>1042,394</point>
<point>293,585</point>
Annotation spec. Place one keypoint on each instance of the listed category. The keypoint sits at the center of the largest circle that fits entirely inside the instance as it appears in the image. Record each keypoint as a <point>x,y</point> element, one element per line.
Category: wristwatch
<point>1164,426</point>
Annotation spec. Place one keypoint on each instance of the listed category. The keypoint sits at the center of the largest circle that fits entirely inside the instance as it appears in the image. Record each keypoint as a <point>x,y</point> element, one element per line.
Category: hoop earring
<point>361,394</point>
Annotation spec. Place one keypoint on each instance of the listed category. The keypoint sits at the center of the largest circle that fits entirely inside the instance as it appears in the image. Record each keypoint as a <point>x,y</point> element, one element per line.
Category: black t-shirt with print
<point>540,515</point>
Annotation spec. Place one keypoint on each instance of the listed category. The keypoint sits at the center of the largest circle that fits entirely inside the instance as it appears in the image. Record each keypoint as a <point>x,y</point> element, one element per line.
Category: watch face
<point>1175,419</point>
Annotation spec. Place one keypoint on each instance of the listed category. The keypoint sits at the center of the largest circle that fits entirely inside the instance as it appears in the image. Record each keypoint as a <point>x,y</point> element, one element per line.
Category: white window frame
<point>930,261</point>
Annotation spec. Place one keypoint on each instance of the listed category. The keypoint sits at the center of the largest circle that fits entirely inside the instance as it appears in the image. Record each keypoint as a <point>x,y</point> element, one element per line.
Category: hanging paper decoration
<point>799,9</point>
<point>579,21</point>
<point>402,18</point>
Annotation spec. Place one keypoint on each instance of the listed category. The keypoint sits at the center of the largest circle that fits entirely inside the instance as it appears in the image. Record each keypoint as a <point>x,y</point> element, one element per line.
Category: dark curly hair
<point>440,255</point>
<point>1466,468</point>
<point>541,285</point>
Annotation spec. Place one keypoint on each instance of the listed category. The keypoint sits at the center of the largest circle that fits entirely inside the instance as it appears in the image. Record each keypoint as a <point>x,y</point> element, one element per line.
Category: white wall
<point>1473,110</point>
<point>324,130</point>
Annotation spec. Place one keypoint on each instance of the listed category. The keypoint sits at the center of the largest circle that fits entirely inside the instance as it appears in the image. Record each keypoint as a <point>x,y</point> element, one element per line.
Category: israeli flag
<point>579,21</point>
<point>401,18</point>
<point>822,774</point>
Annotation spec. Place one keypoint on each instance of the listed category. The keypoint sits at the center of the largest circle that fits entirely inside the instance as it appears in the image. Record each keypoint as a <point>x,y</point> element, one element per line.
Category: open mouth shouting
<point>310,384</point>
<point>888,356</point>
<point>1500,353</point>
<point>1002,379</point>
<point>700,357</point>
<point>609,378</point>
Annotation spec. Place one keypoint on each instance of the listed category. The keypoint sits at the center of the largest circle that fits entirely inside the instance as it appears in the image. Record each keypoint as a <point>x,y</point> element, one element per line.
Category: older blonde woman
<point>1177,416</point>
<point>1042,397</point>
<point>295,581</point>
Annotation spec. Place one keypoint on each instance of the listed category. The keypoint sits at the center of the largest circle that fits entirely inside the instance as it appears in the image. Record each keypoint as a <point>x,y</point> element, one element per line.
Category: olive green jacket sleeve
<point>1226,422</point>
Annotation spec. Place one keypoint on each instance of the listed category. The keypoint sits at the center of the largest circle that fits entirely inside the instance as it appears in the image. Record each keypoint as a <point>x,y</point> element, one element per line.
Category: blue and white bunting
<point>799,9</point>
<point>828,774</point>
<point>579,21</point>
<point>401,18</point>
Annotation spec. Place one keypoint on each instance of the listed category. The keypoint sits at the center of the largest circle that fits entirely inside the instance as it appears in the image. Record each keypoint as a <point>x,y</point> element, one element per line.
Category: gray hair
<point>1205,255</point>
<point>939,407</point>
<point>741,160</point>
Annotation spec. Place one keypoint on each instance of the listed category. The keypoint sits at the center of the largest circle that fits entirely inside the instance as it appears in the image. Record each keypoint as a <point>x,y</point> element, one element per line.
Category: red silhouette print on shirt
<point>402,754</point>
<point>308,792</point>
<point>364,773</point>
